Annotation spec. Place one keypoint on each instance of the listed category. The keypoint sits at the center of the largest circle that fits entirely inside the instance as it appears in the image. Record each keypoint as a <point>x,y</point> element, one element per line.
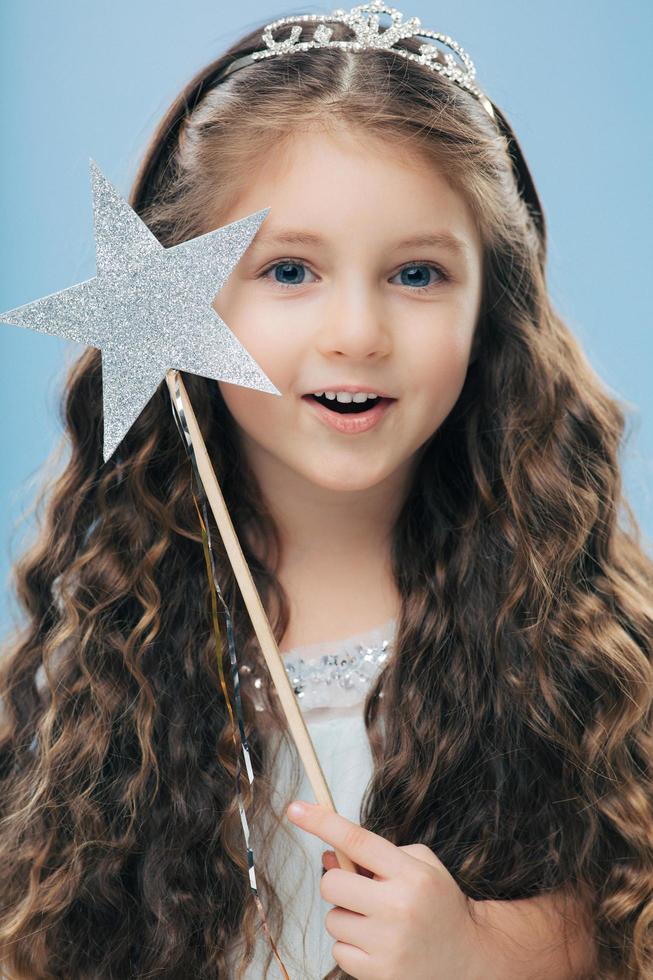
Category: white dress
<point>330,681</point>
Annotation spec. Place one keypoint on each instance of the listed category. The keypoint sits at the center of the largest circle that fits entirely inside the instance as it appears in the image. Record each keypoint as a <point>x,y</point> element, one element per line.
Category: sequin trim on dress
<point>337,673</point>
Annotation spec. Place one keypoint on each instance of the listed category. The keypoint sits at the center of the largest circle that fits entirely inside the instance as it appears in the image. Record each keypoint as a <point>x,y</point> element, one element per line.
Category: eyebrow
<point>443,239</point>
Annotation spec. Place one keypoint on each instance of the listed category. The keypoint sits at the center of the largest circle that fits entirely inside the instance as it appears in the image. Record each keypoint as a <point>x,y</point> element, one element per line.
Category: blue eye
<point>418,281</point>
<point>287,269</point>
<point>291,272</point>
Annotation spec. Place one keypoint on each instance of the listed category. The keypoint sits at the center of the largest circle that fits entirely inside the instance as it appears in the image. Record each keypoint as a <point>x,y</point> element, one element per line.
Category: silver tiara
<point>364,22</point>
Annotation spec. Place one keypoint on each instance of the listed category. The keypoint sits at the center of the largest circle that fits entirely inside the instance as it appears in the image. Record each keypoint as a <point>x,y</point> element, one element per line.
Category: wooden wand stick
<point>258,616</point>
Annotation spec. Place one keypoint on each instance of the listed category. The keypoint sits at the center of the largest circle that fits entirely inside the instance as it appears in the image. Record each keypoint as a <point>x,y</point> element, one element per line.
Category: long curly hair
<point>522,750</point>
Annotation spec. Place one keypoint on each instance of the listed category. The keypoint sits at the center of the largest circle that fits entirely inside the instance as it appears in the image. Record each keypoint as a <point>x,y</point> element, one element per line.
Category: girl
<point>459,544</point>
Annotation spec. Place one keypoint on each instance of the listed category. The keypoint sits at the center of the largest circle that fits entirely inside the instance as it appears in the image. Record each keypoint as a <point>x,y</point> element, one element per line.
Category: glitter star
<point>149,309</point>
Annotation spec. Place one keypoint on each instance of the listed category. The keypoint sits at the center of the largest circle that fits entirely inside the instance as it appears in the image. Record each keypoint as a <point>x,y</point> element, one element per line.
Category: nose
<point>354,321</point>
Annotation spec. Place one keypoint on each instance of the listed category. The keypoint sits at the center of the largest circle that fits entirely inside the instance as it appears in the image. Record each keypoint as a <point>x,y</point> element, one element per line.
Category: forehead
<point>341,182</point>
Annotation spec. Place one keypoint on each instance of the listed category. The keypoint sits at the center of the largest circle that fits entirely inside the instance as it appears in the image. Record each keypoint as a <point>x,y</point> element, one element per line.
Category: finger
<point>422,853</point>
<point>355,962</point>
<point>369,850</point>
<point>349,927</point>
<point>330,860</point>
<point>353,892</point>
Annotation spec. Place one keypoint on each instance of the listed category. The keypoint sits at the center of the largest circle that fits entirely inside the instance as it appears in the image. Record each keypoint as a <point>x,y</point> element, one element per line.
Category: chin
<point>346,479</point>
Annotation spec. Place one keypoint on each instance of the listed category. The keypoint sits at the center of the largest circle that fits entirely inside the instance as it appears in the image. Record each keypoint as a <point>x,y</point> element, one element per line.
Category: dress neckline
<point>336,674</point>
<point>367,637</point>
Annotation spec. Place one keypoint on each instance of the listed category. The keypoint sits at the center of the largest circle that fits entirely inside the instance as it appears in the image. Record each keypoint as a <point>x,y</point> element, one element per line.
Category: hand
<point>403,916</point>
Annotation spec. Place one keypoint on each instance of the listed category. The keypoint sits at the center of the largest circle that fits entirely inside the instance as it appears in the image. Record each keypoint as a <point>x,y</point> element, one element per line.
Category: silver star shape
<point>149,309</point>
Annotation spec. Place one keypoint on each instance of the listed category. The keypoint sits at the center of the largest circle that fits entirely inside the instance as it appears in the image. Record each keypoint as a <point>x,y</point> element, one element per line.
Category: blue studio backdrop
<point>82,80</point>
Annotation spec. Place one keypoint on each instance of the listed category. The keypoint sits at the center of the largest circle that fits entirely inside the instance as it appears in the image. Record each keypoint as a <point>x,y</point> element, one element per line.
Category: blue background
<point>82,80</point>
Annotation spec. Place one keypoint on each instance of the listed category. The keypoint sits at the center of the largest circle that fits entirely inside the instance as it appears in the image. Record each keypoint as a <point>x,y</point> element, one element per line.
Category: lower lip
<point>351,424</point>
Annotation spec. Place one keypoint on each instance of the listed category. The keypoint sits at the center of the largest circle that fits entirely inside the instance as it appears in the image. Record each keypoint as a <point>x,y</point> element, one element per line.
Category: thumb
<point>329,860</point>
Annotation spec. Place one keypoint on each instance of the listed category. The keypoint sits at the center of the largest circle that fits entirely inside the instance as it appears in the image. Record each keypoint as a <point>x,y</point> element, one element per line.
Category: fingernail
<point>296,809</point>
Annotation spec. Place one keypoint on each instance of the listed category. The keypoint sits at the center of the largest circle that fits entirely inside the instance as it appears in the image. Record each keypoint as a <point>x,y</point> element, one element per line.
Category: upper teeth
<point>346,396</point>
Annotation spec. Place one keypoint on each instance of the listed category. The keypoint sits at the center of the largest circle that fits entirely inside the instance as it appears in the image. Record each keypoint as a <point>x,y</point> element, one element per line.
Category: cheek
<point>267,339</point>
<point>253,410</point>
<point>440,367</point>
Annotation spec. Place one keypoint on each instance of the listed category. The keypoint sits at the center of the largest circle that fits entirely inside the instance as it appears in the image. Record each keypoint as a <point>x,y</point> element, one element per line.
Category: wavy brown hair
<point>522,753</point>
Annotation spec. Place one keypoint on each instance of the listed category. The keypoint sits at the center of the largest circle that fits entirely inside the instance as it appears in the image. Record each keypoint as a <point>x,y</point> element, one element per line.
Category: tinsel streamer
<point>216,595</point>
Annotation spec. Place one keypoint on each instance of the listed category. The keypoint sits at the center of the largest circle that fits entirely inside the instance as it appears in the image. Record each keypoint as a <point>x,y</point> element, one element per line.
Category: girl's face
<point>341,288</point>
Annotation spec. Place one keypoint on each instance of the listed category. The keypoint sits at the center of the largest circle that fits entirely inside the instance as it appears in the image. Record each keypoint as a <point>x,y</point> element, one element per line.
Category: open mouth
<point>348,408</point>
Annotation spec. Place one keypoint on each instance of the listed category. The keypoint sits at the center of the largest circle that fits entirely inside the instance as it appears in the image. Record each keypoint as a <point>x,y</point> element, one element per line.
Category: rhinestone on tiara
<point>363,20</point>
